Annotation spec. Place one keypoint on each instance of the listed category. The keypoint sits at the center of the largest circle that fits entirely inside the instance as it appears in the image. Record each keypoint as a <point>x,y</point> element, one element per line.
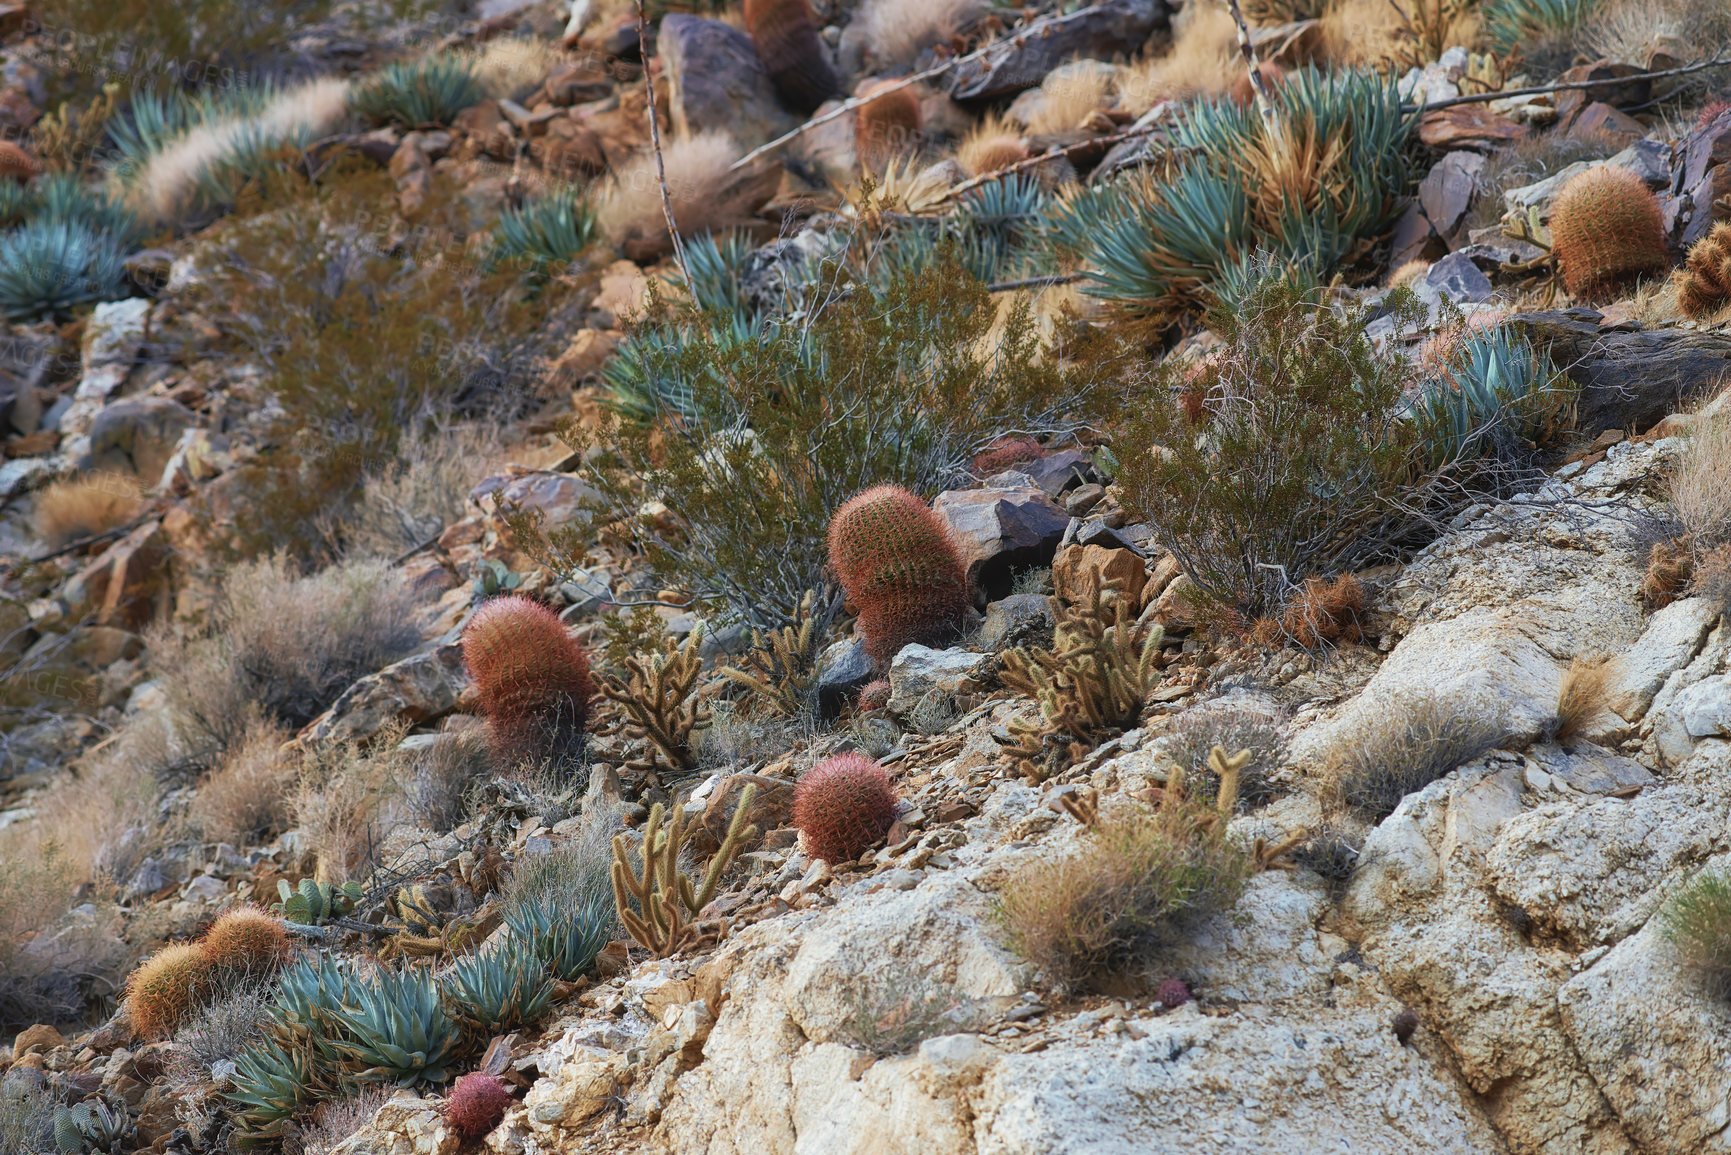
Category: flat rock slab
<point>1022,60</point>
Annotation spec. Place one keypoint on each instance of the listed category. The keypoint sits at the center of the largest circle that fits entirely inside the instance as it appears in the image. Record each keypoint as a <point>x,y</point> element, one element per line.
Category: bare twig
<point>1036,282</point>
<point>655,140</point>
<point>1257,85</point>
<point>1721,60</point>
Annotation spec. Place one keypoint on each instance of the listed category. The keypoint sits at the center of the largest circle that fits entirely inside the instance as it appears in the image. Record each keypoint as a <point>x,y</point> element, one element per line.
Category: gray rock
<point>1591,769</point>
<point>1459,279</point>
<point>23,473</point>
<point>1647,159</point>
<point>1061,470</point>
<point>1000,531</point>
<point>415,689</point>
<point>842,670</point>
<point>920,670</point>
<point>1101,31</point>
<point>1672,638</point>
<point>112,338</point>
<point>1447,190</point>
<point>716,82</point>
<point>1018,620</point>
<point>138,435</point>
<point>1701,711</point>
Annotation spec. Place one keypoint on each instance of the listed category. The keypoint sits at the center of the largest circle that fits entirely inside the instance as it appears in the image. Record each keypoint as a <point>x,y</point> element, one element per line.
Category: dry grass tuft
<point>1139,884</point>
<point>1584,696</point>
<point>897,31</point>
<point>1712,579</point>
<point>347,798</point>
<point>512,67</point>
<point>167,183</point>
<point>1320,613</point>
<point>1697,922</point>
<point>336,1120</point>
<point>245,800</point>
<point>1071,97</point>
<point>1203,61</point>
<point>1406,748</point>
<point>1700,488</point>
<point>80,507</point>
<point>1232,726</point>
<point>628,205</point>
<point>424,488</point>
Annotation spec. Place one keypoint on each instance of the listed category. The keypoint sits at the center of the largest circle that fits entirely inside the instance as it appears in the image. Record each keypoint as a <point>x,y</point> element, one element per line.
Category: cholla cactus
<point>1706,284</point>
<point>896,561</point>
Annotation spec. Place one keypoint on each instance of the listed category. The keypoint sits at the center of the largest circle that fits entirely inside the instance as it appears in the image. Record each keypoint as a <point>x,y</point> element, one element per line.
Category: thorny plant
<point>658,700</point>
<point>657,901</point>
<point>781,667</point>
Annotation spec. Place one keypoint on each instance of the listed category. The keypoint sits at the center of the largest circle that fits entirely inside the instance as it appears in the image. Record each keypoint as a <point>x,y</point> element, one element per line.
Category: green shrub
<point>1157,244</point>
<point>761,426</point>
<point>550,229</point>
<point>1140,883</point>
<point>1697,922</point>
<point>420,93</point>
<point>49,267</point>
<point>499,991</point>
<point>1292,451</point>
<point>1405,748</point>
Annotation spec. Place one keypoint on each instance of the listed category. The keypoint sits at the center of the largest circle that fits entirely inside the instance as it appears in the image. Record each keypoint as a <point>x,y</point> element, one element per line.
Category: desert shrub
<point>438,789</point>
<point>1331,852</point>
<point>420,93</point>
<point>1307,455</point>
<point>1697,922</point>
<point>423,488</point>
<point>1138,885</point>
<point>895,1012</point>
<point>898,384</point>
<point>244,801</point>
<point>84,506</point>
<point>365,345</point>
<point>35,890</point>
<point>345,798</point>
<point>26,1120</point>
<point>1158,243</point>
<point>224,1028</point>
<point>337,1120</point>
<point>1233,727</point>
<point>553,228</point>
<point>49,267</point>
<point>1407,747</point>
<point>281,647</point>
<point>146,43</point>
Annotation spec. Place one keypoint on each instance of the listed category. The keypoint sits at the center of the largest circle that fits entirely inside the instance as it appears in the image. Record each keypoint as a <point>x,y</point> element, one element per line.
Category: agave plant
<point>48,267</point>
<point>393,1028</point>
<point>1313,192</point>
<point>1513,24</point>
<point>63,197</point>
<point>89,1127</point>
<point>16,201</point>
<point>566,940</point>
<point>428,91</point>
<point>501,990</point>
<point>155,121</point>
<point>309,993</point>
<point>268,1085</point>
<point>547,230</point>
<point>1494,380</point>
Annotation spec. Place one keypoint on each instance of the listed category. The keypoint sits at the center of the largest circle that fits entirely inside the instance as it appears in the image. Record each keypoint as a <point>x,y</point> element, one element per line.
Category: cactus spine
<point>166,989</point>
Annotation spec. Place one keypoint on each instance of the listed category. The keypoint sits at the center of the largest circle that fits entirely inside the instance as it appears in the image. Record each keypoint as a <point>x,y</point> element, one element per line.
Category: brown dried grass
<point>80,507</point>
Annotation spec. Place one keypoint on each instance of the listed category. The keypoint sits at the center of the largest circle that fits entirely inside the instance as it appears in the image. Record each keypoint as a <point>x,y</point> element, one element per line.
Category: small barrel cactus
<point>166,989</point>
<point>785,36</point>
<point>1607,231</point>
<point>843,805</point>
<point>1172,993</point>
<point>476,1104</point>
<point>900,568</point>
<point>1706,281</point>
<point>245,941</point>
<point>16,164</point>
<point>533,677</point>
<point>887,124</point>
<point>992,152</point>
<point>875,696</point>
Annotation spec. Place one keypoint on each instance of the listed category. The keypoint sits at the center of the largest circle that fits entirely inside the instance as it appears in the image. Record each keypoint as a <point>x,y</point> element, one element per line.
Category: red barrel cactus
<point>843,805</point>
<point>533,678</point>
<point>900,569</point>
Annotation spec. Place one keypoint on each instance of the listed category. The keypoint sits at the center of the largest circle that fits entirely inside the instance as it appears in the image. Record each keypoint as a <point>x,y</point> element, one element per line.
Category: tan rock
<point>582,1090</point>
<point>40,1037</point>
<point>1072,571</point>
<point>583,357</point>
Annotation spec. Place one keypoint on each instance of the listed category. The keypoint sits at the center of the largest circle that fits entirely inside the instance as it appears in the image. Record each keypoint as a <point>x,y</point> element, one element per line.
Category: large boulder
<point>1000,531</point>
<point>716,82</point>
<point>138,436</point>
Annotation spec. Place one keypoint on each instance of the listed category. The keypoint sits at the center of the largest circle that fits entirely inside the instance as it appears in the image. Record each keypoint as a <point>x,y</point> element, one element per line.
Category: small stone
<point>1405,1023</point>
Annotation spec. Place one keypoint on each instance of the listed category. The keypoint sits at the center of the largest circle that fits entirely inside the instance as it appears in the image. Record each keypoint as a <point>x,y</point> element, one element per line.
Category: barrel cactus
<point>533,677</point>
<point>476,1104</point>
<point>887,124</point>
<point>900,568</point>
<point>1606,232</point>
<point>245,941</point>
<point>784,33</point>
<point>843,805</point>
<point>166,989</point>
